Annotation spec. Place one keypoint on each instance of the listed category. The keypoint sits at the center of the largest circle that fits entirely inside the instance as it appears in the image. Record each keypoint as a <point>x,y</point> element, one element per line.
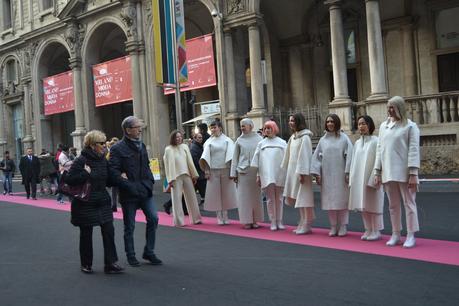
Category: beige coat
<point>297,161</point>
<point>178,161</point>
<point>363,194</point>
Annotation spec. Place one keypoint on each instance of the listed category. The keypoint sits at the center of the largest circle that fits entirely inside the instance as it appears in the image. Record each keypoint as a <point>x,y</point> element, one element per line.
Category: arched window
<point>11,71</point>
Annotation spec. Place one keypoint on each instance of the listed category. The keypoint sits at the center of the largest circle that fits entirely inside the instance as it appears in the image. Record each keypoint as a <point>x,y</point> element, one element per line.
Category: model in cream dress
<point>181,175</point>
<point>298,183</point>
<point>271,176</point>
<point>248,191</point>
<point>364,195</point>
<point>215,162</point>
<point>330,164</point>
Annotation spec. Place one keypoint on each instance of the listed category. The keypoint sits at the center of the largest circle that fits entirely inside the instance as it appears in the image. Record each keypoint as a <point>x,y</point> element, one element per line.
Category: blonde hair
<point>400,109</point>
<point>93,137</point>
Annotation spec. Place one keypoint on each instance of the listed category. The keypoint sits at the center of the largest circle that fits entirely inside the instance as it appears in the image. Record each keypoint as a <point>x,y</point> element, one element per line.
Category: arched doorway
<point>56,128</point>
<point>106,43</point>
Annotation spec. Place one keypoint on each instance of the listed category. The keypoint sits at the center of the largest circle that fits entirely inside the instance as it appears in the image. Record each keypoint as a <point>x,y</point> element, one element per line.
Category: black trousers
<point>28,183</point>
<point>108,237</point>
<point>201,187</point>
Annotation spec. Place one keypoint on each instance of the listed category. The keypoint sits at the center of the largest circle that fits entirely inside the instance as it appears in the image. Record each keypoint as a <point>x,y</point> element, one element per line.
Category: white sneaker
<point>226,221</point>
<point>365,235</point>
<point>332,231</point>
<point>376,235</point>
<point>409,242</point>
<point>394,240</point>
<point>305,229</point>
<point>220,222</point>
<point>342,231</point>
<point>273,226</point>
<point>280,225</point>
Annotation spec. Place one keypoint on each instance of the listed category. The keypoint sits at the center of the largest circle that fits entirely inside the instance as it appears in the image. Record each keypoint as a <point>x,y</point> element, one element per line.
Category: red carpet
<point>437,251</point>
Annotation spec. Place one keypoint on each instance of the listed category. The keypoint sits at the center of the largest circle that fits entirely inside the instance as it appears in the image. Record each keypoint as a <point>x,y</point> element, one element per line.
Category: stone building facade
<point>272,57</point>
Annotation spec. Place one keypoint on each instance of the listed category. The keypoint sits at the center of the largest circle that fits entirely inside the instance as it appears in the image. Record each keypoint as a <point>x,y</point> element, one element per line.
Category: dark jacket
<point>98,209</point>
<point>47,167</point>
<point>196,150</point>
<point>126,157</point>
<point>29,169</point>
<point>7,165</point>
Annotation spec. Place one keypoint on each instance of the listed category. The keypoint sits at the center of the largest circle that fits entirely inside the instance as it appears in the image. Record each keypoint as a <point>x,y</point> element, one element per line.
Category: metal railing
<point>313,114</point>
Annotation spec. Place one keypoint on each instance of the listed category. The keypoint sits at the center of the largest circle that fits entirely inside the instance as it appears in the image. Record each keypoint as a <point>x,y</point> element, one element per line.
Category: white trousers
<point>184,185</point>
<point>338,217</point>
<point>396,191</point>
<point>372,222</point>
<point>274,202</point>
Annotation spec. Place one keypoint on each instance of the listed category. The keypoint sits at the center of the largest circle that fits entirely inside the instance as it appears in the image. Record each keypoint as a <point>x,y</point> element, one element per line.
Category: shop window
<point>5,15</point>
<point>447,28</point>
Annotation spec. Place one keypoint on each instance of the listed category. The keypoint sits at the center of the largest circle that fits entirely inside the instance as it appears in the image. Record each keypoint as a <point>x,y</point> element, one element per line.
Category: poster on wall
<point>112,81</point>
<point>58,93</point>
<point>201,64</point>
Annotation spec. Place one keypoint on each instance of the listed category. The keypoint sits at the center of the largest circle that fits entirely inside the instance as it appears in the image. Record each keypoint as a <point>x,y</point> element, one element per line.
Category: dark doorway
<point>448,72</point>
<point>351,85</point>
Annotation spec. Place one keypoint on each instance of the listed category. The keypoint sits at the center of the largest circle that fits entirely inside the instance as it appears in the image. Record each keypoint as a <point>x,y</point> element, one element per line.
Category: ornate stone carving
<point>26,55</point>
<point>74,36</point>
<point>235,6</point>
<point>129,16</point>
<point>148,20</point>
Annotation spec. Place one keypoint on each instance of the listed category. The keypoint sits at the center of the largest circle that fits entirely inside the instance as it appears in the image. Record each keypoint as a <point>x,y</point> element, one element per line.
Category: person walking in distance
<point>8,167</point>
<point>129,166</point>
<point>29,165</point>
<point>397,166</point>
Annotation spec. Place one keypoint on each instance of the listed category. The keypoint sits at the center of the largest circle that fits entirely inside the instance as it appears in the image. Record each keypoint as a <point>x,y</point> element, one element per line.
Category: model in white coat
<point>215,162</point>
<point>364,195</point>
<point>298,183</point>
<point>397,166</point>
<point>271,176</point>
<point>181,175</point>
<point>245,176</point>
<point>330,164</point>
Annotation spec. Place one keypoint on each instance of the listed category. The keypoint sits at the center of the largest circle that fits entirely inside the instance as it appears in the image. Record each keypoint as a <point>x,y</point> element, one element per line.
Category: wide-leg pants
<point>274,202</point>
<point>183,185</point>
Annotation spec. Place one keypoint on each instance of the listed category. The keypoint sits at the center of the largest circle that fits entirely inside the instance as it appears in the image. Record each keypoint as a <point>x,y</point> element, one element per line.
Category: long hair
<point>300,121</point>
<point>369,121</point>
<point>173,136</point>
<point>337,122</point>
<point>400,109</point>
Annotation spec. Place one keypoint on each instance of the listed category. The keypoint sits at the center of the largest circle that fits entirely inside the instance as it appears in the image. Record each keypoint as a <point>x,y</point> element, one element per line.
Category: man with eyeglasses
<point>129,166</point>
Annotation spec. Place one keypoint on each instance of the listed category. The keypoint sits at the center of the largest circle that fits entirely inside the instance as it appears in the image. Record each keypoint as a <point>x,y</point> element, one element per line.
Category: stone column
<point>296,76</point>
<point>132,49</point>
<point>2,127</point>
<point>338,51</point>
<point>27,104</point>
<point>256,81</point>
<point>341,104</point>
<point>375,51</point>
<point>232,115</point>
<point>409,66</point>
<point>80,129</point>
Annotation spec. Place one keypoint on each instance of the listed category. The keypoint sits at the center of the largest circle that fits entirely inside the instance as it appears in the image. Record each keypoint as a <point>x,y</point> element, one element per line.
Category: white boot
<point>365,235</point>
<point>410,241</point>
<point>280,225</point>
<point>342,230</point>
<point>304,229</point>
<point>332,231</point>
<point>225,217</point>
<point>220,218</point>
<point>376,235</point>
<point>273,225</point>
<point>394,239</point>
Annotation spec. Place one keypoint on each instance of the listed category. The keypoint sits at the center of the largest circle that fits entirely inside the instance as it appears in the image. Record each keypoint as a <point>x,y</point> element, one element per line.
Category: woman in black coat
<point>97,211</point>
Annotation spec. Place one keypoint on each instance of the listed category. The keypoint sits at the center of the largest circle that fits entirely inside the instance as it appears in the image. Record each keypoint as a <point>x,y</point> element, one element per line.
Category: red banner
<point>58,93</point>
<point>112,81</point>
<point>201,65</point>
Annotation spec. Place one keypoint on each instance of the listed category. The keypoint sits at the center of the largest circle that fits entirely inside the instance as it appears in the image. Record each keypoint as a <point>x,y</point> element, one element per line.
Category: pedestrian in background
<point>397,167</point>
<point>271,176</point>
<point>48,173</point>
<point>331,163</point>
<point>64,166</point>
<point>130,169</point>
<point>297,163</point>
<point>216,163</point>
<point>114,189</point>
<point>93,166</point>
<point>181,175</point>
<point>248,191</point>
<point>203,130</point>
<point>29,165</point>
<point>8,167</point>
<point>364,195</point>
<point>196,150</point>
